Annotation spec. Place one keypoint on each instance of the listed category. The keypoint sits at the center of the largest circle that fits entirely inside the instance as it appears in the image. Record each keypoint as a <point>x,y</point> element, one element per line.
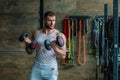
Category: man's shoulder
<point>35,33</point>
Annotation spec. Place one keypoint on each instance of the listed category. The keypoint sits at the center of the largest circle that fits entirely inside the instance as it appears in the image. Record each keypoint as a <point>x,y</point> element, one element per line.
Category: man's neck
<point>48,31</point>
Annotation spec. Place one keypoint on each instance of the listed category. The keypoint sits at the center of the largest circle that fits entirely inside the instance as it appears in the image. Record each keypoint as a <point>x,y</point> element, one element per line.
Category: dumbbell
<point>59,41</point>
<point>32,45</point>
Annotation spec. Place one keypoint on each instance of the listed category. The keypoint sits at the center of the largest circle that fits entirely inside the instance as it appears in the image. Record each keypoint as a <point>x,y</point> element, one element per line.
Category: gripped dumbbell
<point>32,45</point>
<point>59,41</point>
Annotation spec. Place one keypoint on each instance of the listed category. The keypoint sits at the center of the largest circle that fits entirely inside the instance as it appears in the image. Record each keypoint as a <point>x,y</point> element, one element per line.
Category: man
<point>45,66</point>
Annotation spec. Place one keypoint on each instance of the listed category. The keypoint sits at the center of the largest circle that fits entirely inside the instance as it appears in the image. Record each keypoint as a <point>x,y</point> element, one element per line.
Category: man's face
<point>50,22</point>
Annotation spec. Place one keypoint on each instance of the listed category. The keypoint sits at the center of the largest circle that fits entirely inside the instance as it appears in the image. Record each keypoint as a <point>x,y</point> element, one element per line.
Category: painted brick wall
<point>17,16</point>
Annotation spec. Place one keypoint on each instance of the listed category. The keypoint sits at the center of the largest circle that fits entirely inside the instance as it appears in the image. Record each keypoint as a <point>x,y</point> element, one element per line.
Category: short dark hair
<point>49,13</point>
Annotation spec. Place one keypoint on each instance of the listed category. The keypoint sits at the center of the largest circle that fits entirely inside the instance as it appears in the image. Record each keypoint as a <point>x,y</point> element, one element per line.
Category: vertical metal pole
<point>115,55</point>
<point>105,12</point>
<point>41,13</point>
<point>105,47</point>
<point>106,61</point>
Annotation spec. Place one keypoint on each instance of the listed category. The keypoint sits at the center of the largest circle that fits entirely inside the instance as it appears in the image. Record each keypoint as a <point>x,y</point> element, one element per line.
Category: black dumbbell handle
<point>59,41</point>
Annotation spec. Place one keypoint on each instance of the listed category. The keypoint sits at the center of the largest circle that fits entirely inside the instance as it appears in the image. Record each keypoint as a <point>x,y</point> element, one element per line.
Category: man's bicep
<point>34,35</point>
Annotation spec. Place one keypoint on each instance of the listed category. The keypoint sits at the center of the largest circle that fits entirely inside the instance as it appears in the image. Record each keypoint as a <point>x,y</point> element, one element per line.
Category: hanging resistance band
<point>81,44</point>
<point>66,31</point>
<point>72,39</point>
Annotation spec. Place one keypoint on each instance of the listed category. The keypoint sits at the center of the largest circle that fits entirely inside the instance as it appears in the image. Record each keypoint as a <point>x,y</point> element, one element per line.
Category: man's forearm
<point>60,52</point>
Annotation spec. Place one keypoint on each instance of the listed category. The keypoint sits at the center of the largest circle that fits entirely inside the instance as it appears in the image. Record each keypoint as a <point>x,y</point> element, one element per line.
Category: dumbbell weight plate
<point>23,36</point>
<point>60,41</point>
<point>47,44</point>
<point>33,45</point>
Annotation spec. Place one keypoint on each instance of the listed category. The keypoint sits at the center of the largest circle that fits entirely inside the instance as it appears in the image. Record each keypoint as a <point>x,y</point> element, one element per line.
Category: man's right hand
<point>27,41</point>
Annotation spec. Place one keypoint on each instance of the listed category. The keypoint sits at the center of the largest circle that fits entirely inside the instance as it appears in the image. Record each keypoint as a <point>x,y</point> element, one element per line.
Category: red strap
<point>66,27</point>
<point>66,31</point>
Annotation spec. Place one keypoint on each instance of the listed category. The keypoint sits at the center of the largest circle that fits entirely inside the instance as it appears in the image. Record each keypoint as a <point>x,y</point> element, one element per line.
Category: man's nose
<point>52,22</point>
